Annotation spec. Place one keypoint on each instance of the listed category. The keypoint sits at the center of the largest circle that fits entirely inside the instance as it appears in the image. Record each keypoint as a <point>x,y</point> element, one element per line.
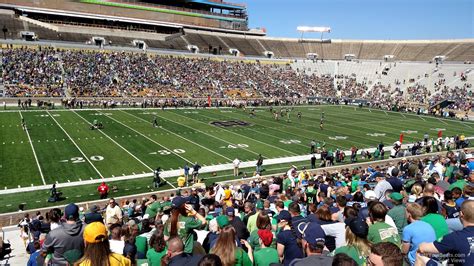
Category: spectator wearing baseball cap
<point>398,212</point>
<point>357,246</point>
<point>266,255</point>
<point>382,186</point>
<point>252,220</point>
<point>289,247</point>
<point>93,215</point>
<point>263,223</point>
<point>313,245</point>
<point>236,222</point>
<point>182,222</point>
<point>66,242</point>
<point>369,196</point>
<point>97,249</point>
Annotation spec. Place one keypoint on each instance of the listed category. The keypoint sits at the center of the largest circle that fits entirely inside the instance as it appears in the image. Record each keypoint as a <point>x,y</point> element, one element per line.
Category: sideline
<point>178,172</point>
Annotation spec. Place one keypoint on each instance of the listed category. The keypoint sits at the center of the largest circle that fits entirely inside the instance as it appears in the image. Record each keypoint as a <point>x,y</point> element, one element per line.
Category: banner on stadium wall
<point>209,100</point>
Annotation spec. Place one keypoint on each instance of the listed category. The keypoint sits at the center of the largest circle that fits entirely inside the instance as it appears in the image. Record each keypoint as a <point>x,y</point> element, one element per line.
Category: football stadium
<point>150,132</point>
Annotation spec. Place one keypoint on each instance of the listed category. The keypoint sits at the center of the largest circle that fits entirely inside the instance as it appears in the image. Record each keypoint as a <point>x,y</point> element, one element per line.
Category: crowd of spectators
<point>92,73</point>
<point>405,212</point>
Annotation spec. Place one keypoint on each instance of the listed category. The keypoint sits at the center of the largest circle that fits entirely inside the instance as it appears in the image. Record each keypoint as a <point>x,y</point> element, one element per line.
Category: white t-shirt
<point>336,230</point>
<point>116,246</point>
<point>236,162</point>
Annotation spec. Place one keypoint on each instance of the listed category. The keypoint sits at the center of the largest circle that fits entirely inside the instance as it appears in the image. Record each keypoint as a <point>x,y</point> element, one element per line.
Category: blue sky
<point>366,19</point>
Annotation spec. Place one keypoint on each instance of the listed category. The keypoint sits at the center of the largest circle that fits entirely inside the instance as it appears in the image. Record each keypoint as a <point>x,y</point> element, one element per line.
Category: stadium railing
<point>12,218</point>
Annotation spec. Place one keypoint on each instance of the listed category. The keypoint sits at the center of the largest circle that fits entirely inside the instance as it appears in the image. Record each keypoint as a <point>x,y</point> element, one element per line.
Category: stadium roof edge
<point>125,19</point>
<point>88,15</point>
<point>406,41</point>
<point>332,40</point>
<point>218,5</point>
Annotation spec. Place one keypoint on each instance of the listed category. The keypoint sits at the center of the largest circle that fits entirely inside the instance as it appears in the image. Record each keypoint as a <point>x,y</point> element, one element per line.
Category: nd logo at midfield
<point>230,123</point>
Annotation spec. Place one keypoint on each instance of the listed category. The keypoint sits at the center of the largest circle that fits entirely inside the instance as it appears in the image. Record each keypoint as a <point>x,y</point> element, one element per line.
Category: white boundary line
<point>175,173</point>
<point>77,146</point>
<point>224,108</point>
<point>33,149</point>
<point>116,143</point>
<point>150,139</point>
<point>188,140</point>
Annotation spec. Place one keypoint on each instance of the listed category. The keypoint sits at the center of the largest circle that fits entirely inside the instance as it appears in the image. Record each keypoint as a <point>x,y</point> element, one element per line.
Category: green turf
<point>38,199</point>
<point>68,150</point>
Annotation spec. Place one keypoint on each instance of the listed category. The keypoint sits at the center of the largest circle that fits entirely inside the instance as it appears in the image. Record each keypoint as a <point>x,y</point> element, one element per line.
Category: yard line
<point>212,136</point>
<point>227,158</point>
<point>421,118</point>
<point>443,122</point>
<point>157,143</point>
<point>34,152</point>
<point>75,144</point>
<point>273,129</point>
<point>140,161</point>
<point>324,134</point>
<point>242,135</point>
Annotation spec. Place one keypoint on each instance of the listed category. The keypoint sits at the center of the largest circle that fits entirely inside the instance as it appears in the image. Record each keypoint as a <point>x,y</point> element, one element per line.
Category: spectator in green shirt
<point>158,247</point>
<point>379,230</point>
<point>266,255</point>
<point>460,181</point>
<point>398,212</point>
<point>153,207</point>
<point>436,220</point>
<point>182,222</point>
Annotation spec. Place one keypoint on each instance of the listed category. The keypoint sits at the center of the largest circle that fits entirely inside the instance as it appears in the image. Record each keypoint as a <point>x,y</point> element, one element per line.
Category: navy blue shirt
<point>458,244</point>
<point>292,250</point>
<point>396,184</point>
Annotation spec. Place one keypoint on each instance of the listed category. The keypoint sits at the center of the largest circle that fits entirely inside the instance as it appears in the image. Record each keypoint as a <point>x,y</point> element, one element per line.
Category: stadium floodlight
<point>304,29</point>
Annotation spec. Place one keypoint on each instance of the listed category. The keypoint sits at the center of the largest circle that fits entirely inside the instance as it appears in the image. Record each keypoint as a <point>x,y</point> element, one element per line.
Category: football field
<point>59,146</point>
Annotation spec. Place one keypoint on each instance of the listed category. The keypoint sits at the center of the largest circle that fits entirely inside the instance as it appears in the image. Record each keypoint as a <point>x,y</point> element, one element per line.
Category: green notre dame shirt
<point>186,225</point>
<point>398,214</point>
<point>382,232</point>
<point>438,223</point>
<point>265,256</point>
<point>153,209</point>
<point>286,184</point>
<point>142,244</point>
<point>355,183</point>
<point>352,252</point>
<point>311,194</point>
<point>154,258</point>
